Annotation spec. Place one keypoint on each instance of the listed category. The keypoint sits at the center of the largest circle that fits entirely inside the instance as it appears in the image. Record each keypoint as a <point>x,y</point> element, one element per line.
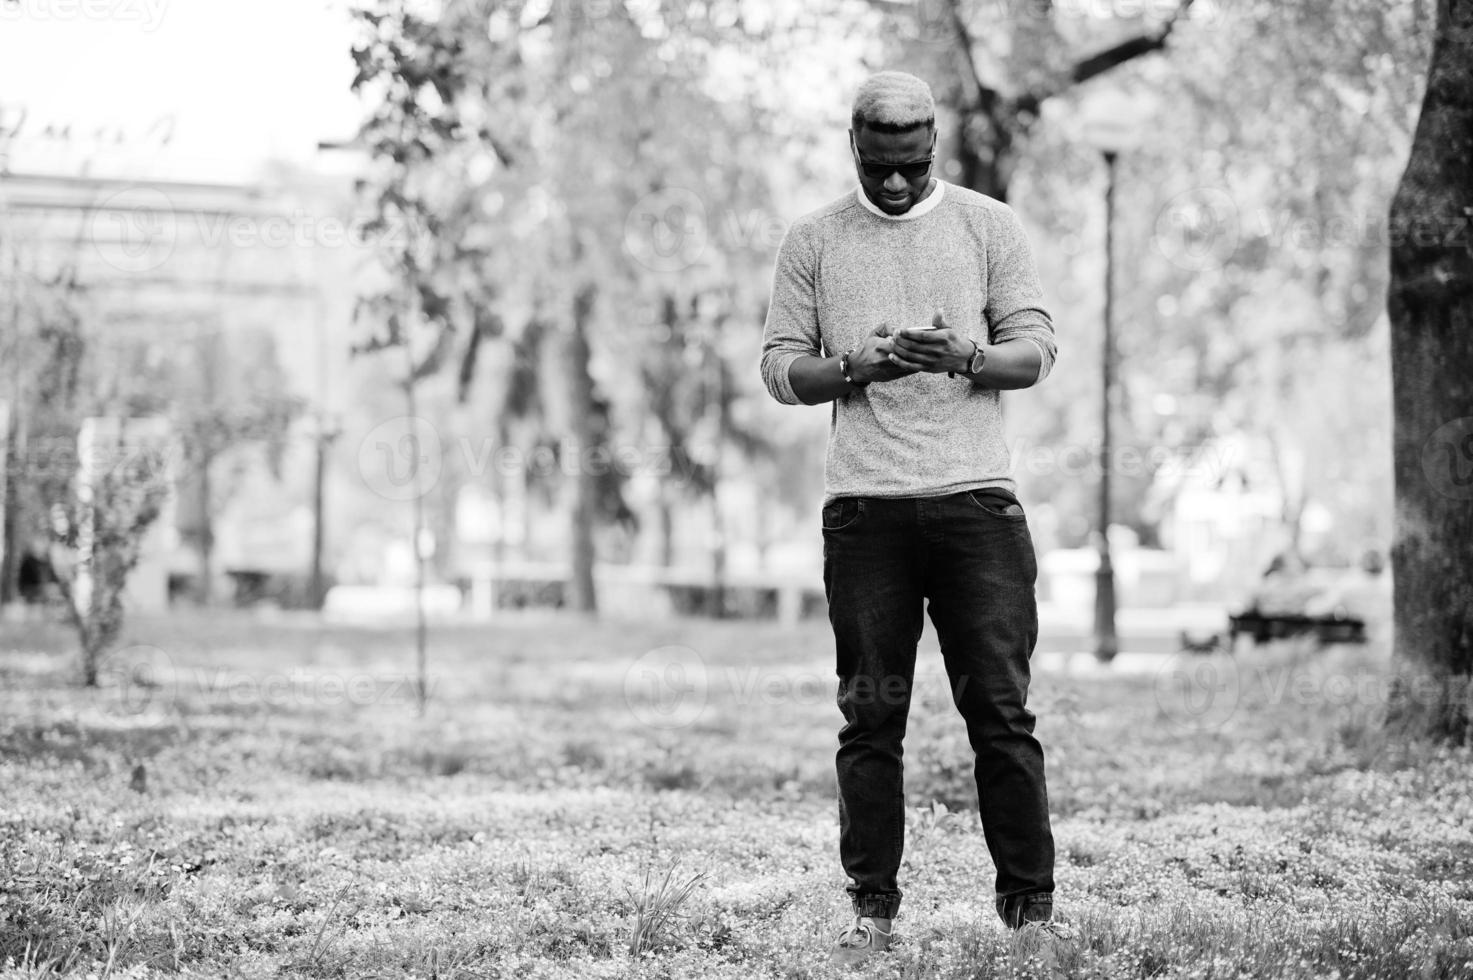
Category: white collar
<point>925,207</point>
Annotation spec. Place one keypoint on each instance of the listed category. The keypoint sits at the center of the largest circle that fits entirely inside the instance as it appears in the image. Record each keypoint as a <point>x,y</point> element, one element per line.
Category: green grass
<point>251,798</point>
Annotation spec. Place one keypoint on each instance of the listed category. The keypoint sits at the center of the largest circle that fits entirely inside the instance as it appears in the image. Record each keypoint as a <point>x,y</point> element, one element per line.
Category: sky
<point>244,80</point>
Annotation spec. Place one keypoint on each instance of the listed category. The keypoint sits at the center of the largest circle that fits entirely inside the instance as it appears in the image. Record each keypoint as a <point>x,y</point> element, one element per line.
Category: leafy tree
<point>81,479</point>
<point>116,494</point>
<point>528,160</point>
<point>455,133</point>
<point>1250,252</point>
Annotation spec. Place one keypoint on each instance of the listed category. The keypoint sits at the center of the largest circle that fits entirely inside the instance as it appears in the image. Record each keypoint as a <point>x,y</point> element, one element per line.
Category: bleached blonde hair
<point>893,102</point>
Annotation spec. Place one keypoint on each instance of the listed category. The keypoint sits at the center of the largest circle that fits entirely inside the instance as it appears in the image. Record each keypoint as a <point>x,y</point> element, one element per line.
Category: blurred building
<point>219,284</point>
<point>1221,514</point>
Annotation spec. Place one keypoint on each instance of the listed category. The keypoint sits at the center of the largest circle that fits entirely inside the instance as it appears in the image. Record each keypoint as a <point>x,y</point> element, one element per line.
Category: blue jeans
<point>970,555</point>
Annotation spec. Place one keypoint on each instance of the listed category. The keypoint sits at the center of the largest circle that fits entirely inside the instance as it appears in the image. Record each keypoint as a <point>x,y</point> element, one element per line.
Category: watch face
<point>975,364</point>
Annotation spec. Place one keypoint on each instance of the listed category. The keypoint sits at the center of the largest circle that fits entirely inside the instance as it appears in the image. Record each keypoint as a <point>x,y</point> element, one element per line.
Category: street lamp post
<point>1112,124</point>
<point>1107,643</point>
<point>326,431</point>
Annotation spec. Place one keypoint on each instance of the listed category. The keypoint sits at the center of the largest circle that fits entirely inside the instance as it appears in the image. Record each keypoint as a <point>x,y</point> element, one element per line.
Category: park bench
<point>1327,628</point>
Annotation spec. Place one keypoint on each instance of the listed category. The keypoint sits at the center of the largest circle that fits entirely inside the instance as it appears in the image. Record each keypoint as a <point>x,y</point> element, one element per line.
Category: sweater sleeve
<point>1014,296</point>
<point>791,330</point>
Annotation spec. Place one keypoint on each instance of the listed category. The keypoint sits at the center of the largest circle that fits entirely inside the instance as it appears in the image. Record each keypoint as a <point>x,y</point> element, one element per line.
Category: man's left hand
<point>936,350</point>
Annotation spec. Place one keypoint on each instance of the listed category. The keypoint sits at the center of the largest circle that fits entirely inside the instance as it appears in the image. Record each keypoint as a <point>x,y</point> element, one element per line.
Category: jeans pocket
<point>997,502</point>
<point>841,512</point>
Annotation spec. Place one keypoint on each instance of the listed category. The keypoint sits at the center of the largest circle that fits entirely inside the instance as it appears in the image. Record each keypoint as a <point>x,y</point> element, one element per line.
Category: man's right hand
<point>871,359</point>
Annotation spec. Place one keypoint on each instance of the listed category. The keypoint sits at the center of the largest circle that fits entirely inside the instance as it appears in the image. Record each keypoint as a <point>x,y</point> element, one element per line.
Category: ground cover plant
<point>259,798</point>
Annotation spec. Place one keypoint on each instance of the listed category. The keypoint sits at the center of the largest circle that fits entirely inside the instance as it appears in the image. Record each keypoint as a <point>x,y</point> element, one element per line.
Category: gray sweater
<point>847,267</point>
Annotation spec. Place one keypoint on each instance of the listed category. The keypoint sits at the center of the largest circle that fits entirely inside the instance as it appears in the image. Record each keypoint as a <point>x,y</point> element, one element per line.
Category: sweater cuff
<point>1045,362</point>
<point>779,385</point>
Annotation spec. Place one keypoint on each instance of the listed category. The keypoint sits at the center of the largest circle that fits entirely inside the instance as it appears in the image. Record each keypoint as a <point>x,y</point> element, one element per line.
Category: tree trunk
<point>417,502</point>
<point>1431,308</point>
<point>9,509</point>
<point>206,536</point>
<point>321,441</point>
<point>667,526</point>
<point>582,438</point>
<point>984,151</point>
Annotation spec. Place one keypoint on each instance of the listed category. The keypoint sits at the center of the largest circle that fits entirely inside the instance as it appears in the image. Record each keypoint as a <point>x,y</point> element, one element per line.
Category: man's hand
<point>936,350</point>
<point>871,360</point>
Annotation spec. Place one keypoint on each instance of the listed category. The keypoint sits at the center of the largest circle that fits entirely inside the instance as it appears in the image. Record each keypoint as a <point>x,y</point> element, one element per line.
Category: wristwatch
<point>979,357</point>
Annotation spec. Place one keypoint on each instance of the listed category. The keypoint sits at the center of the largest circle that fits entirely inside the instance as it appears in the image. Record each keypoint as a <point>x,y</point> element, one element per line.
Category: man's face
<point>892,191</point>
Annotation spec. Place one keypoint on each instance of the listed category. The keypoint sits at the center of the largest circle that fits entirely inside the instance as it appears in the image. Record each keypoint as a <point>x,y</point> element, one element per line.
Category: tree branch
<point>1098,64</point>
<point>987,98</point>
<point>1112,57</point>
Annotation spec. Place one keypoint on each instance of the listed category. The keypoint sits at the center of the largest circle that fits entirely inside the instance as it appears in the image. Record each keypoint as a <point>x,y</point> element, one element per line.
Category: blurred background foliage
<point>574,207</point>
<point>1251,215</point>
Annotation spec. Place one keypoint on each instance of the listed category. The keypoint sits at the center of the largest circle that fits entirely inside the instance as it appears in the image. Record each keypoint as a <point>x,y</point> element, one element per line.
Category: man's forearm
<point>1014,364</point>
<point>817,379</point>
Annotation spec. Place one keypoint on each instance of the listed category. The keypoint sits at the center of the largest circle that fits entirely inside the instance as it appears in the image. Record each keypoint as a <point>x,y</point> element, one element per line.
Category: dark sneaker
<point>866,937</point>
<point>1020,909</point>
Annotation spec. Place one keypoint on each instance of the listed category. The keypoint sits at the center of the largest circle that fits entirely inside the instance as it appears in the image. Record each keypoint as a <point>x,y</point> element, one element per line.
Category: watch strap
<point>979,358</point>
<point>975,362</point>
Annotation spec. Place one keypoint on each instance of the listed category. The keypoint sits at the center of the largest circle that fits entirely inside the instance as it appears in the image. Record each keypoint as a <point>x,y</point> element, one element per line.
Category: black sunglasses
<point>913,170</point>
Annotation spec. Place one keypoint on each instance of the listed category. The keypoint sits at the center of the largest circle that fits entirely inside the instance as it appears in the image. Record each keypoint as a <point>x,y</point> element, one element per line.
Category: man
<point>909,305</point>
